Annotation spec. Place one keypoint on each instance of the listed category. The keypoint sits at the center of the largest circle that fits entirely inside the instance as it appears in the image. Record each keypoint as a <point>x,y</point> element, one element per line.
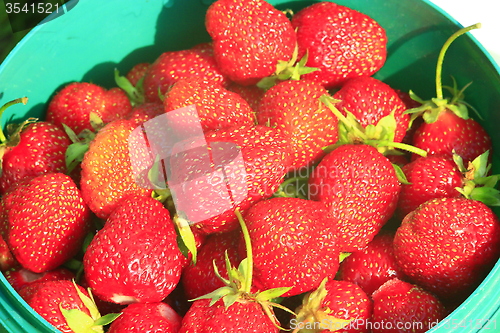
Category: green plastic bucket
<point>95,36</point>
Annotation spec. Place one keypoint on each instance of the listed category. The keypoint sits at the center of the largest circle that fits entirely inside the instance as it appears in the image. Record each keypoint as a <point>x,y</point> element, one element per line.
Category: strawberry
<point>336,306</point>
<point>235,307</point>
<point>433,176</point>
<point>216,107</point>
<point>293,244</point>
<point>447,127</point>
<point>360,189</point>
<point>74,104</point>
<point>107,172</point>
<point>400,306</point>
<point>7,260</point>
<point>31,149</point>
<point>370,100</point>
<point>239,317</point>
<point>135,257</point>
<point>241,165</point>
<point>341,42</point>
<point>44,221</point>
<point>172,66</point>
<point>294,108</point>
<point>136,73</point>
<point>35,149</point>
<point>153,317</point>
<point>249,38</point>
<point>20,277</point>
<point>372,266</point>
<point>144,112</point>
<point>450,134</point>
<point>447,245</point>
<point>65,305</point>
<point>251,94</point>
<point>211,252</point>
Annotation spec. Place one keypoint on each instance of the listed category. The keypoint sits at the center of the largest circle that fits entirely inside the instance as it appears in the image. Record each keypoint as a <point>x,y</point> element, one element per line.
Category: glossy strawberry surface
<point>447,245</point>
<point>74,103</point>
<point>249,38</point>
<point>360,189</point>
<point>293,244</point>
<point>44,221</point>
<point>135,257</point>
<point>339,41</point>
<point>294,108</point>
<point>41,149</point>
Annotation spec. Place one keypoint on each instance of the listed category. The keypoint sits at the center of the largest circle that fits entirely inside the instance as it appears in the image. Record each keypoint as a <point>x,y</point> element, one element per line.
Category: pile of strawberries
<point>262,181</point>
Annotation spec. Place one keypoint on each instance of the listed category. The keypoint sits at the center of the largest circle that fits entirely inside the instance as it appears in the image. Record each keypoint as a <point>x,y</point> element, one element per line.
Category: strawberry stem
<point>327,100</point>
<point>439,67</point>
<point>23,100</point>
<point>397,145</point>
<point>248,246</point>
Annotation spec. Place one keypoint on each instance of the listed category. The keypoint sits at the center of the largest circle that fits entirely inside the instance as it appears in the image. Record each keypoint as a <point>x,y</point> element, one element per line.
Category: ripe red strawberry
<point>38,148</point>
<point>360,189</point>
<point>399,306</point>
<point>249,38</point>
<point>136,73</point>
<point>293,244</point>
<point>294,108</point>
<point>447,245</point>
<point>216,107</point>
<point>451,133</point>
<point>73,105</point>
<point>433,176</point>
<point>144,112</point>
<point>135,257</point>
<point>336,306</point>
<point>341,42</point>
<point>242,165</point>
<point>251,94</point>
<point>172,66</point>
<point>447,127</point>
<point>20,277</point>
<point>107,174</point>
<point>212,251</point>
<point>152,317</point>
<point>373,266</point>
<point>240,316</point>
<point>369,100</point>
<point>53,299</point>
<point>44,221</point>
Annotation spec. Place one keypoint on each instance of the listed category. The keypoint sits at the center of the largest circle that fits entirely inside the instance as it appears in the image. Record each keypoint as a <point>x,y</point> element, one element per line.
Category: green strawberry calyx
<point>287,70</point>
<point>78,147</point>
<point>478,183</point>
<point>313,317</point>
<point>185,237</point>
<point>239,283</point>
<point>431,109</point>
<point>23,100</point>
<point>13,130</point>
<point>135,94</point>
<point>380,135</point>
<point>80,322</point>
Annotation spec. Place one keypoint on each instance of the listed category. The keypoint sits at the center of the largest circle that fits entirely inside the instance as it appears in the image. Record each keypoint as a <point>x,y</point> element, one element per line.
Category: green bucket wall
<point>94,37</point>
